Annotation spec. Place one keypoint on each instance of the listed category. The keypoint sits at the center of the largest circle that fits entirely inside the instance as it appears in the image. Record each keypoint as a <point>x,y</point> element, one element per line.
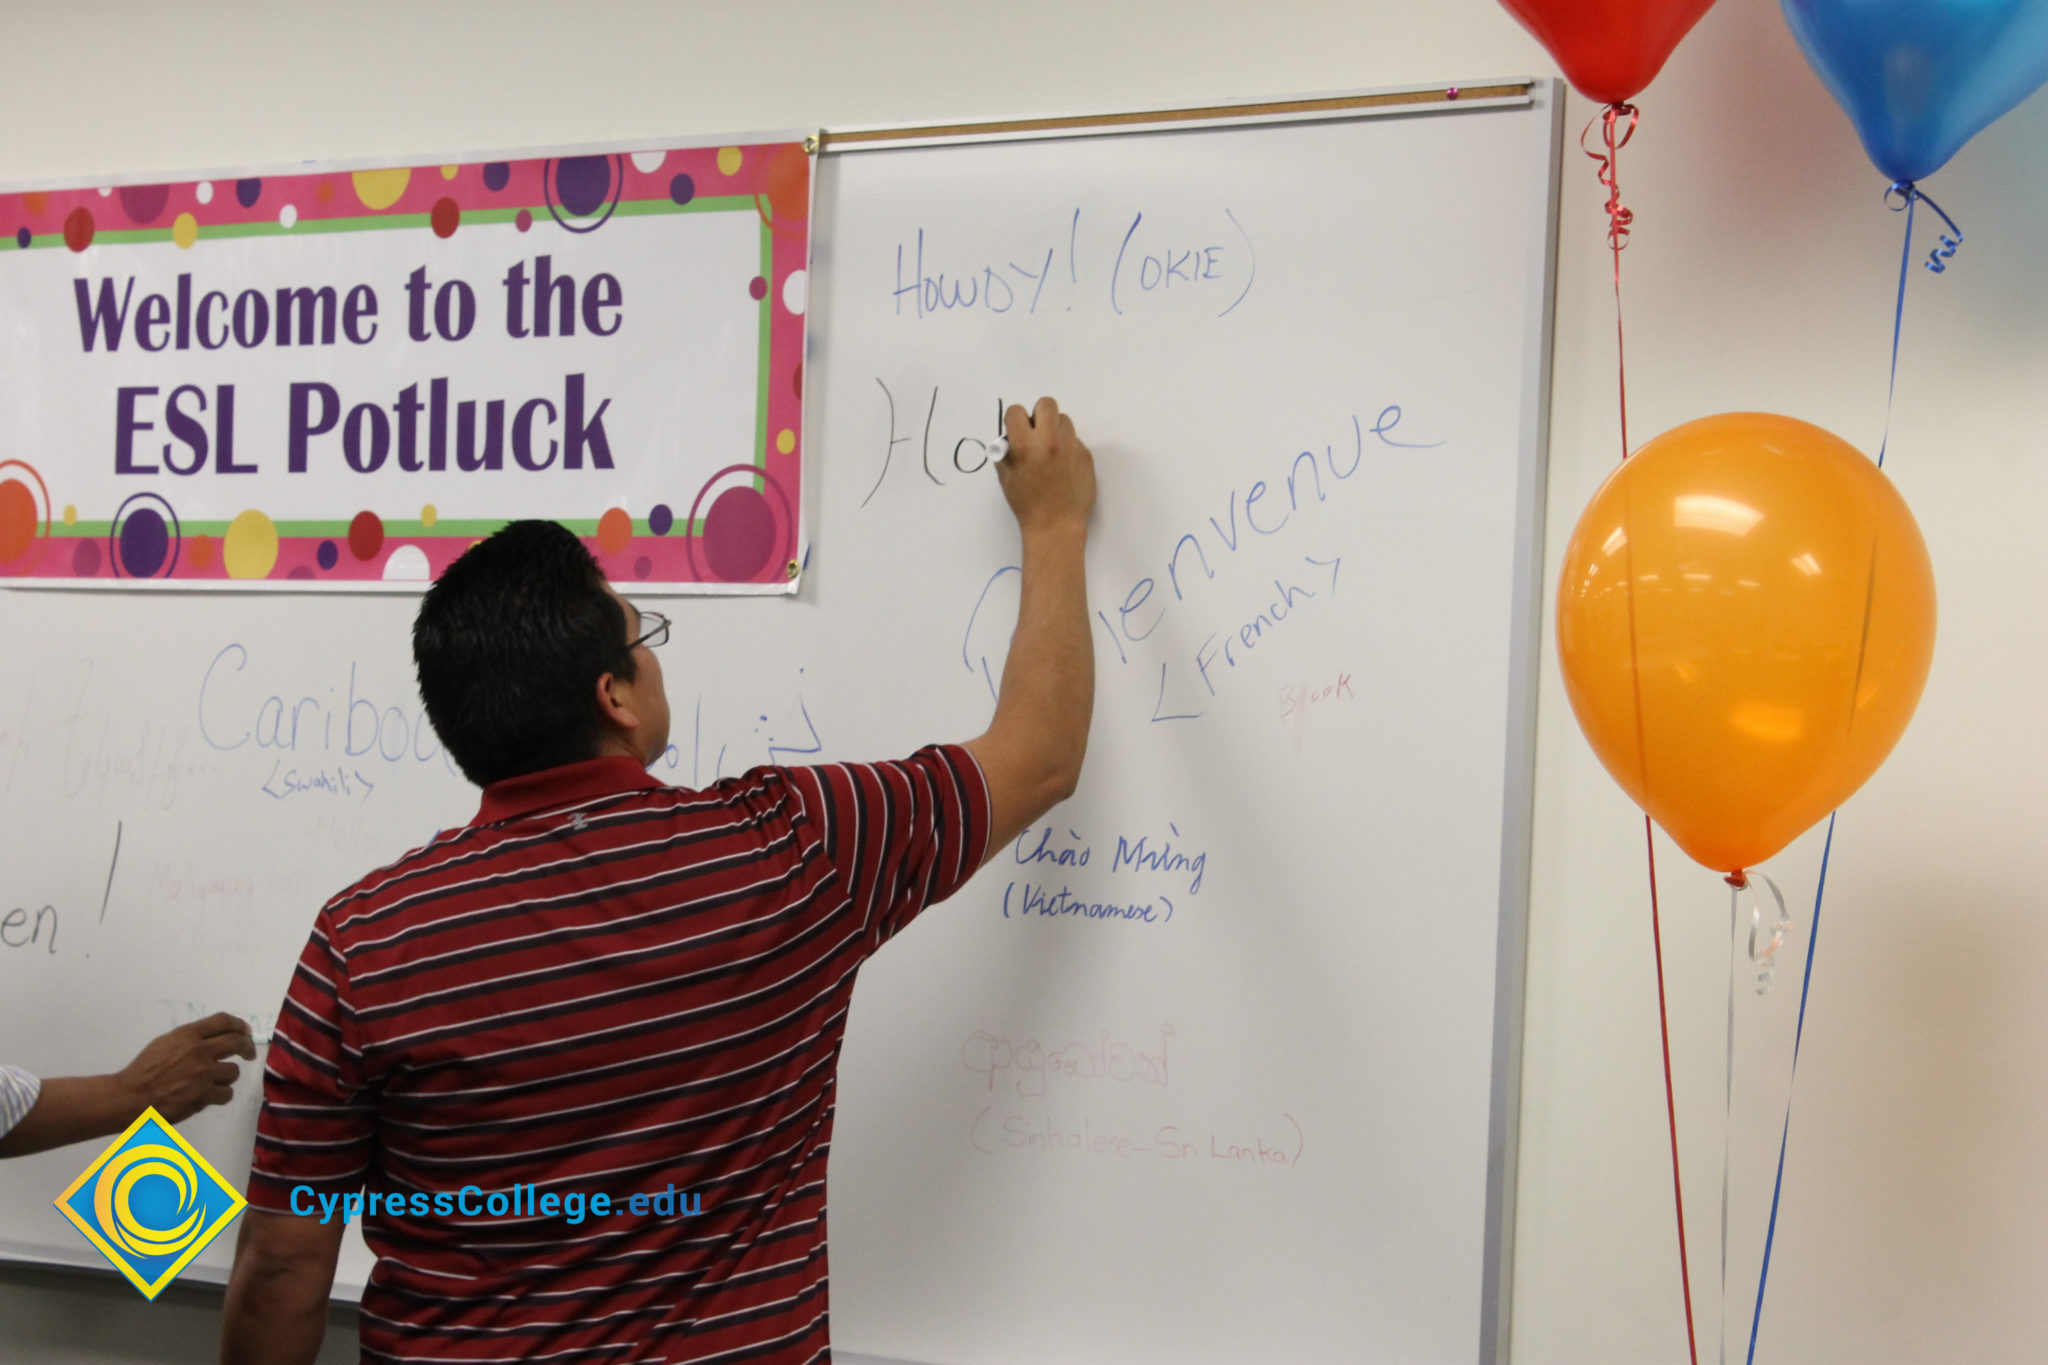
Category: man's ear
<point>616,704</point>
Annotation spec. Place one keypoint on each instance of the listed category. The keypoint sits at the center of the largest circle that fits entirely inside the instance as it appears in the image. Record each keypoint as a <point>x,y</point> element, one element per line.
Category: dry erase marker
<point>1000,447</point>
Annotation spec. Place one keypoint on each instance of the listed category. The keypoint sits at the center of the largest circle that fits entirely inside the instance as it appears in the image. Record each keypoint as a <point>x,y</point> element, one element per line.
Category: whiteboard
<point>1239,1086</point>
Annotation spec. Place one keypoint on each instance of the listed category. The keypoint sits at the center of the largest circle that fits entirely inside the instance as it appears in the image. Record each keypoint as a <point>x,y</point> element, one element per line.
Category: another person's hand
<point>179,1074</point>
<point>187,1069</point>
<point>1048,477</point>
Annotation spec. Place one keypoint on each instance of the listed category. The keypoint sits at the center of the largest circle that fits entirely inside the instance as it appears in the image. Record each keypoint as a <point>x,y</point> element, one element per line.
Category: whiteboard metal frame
<point>1519,788</point>
<point>1411,100</point>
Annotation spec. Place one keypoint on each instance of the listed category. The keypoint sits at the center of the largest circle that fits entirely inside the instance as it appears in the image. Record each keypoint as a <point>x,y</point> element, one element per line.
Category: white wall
<point>1761,276</point>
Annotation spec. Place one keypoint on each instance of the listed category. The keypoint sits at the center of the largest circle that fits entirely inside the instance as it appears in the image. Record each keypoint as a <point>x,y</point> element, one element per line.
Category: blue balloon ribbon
<point>1785,1136</point>
<point>1908,195</point>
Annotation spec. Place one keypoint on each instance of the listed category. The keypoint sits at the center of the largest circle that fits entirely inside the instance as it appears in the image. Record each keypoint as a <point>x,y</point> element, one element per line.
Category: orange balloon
<point>1745,622</point>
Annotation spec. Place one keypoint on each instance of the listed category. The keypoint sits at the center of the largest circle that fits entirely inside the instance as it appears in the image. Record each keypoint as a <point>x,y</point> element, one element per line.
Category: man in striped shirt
<point>573,1064</point>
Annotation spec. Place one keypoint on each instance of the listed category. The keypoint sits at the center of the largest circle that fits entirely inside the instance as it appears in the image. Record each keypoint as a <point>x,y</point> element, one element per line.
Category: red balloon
<point>1609,49</point>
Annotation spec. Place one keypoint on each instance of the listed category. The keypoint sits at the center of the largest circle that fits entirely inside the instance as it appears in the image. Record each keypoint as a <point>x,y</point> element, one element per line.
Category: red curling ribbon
<point>1619,220</point>
<point>1670,1099</point>
<point>1619,217</point>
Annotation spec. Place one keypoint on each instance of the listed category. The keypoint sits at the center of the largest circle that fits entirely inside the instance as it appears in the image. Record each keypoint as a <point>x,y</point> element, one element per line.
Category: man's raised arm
<point>1031,752</point>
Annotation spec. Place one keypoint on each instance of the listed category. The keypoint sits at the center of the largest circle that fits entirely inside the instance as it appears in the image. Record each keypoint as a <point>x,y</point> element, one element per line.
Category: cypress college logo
<point>150,1203</point>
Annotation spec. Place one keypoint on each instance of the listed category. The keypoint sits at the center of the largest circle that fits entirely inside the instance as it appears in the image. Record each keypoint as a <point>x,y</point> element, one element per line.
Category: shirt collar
<point>566,785</point>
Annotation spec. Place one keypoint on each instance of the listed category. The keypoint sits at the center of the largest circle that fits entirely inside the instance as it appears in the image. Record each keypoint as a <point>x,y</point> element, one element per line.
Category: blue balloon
<point>1919,78</point>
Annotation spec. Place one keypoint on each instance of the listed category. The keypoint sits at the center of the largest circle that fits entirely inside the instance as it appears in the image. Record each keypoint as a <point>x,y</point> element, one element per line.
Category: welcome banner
<point>342,378</point>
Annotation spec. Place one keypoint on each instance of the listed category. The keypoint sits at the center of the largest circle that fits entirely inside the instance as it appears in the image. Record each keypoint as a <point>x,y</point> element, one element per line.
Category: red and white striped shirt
<point>603,984</point>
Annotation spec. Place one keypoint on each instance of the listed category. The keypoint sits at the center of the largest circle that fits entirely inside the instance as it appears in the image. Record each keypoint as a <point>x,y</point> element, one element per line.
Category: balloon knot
<point>1738,879</point>
<point>1901,196</point>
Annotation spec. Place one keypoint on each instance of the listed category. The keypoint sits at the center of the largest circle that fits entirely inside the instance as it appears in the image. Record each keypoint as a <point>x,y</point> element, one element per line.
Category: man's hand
<point>1048,477</point>
<point>180,1073</point>
<point>186,1069</point>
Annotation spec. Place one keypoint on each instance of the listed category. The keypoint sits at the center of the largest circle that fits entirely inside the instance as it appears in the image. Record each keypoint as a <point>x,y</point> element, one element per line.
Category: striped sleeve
<point>902,835</point>
<point>18,1092</point>
<point>317,1126</point>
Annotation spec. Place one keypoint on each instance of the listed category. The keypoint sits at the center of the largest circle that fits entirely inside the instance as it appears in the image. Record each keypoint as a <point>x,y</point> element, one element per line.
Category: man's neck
<point>618,744</point>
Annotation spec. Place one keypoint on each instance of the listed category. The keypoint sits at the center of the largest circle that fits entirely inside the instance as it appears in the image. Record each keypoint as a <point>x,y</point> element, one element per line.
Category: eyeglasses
<point>653,636</point>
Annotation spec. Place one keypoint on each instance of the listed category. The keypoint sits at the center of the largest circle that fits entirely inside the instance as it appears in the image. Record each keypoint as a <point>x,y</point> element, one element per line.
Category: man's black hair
<point>510,643</point>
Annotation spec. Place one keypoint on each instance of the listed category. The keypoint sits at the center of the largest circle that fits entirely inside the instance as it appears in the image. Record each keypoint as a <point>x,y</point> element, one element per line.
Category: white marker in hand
<point>1000,447</point>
